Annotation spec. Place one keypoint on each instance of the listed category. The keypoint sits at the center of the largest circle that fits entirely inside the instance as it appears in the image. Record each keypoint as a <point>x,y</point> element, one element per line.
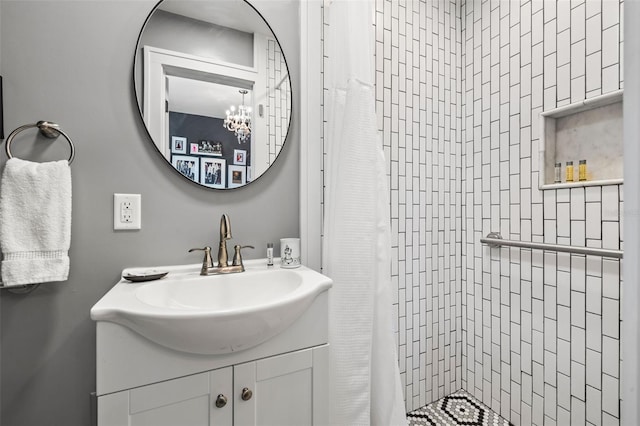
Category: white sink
<point>214,314</point>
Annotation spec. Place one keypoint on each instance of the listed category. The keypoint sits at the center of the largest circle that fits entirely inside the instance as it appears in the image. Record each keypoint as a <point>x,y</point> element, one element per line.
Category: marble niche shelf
<point>588,130</point>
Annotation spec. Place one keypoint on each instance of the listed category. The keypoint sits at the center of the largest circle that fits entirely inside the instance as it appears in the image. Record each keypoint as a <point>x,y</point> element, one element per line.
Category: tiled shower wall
<point>278,99</point>
<point>459,87</point>
<point>541,332</point>
<point>418,103</point>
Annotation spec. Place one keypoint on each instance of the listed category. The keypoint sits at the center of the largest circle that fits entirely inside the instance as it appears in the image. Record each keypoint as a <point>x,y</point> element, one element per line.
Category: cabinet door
<point>187,401</point>
<point>285,389</point>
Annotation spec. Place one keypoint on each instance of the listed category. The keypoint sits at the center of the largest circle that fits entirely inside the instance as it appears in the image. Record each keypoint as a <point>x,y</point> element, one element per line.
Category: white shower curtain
<point>365,378</point>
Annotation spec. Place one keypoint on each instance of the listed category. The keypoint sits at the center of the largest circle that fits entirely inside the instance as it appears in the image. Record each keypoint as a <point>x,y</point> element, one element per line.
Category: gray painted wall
<point>630,368</point>
<point>71,62</point>
<point>173,32</point>
<point>0,303</point>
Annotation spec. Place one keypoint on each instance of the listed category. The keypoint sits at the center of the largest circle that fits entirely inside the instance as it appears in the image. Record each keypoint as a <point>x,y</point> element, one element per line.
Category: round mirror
<point>213,89</point>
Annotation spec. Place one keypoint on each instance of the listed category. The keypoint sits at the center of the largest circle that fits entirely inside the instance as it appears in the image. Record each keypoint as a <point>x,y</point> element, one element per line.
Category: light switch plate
<point>127,211</point>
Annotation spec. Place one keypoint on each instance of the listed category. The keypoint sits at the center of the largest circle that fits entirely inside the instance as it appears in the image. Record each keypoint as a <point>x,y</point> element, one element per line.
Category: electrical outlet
<point>127,211</point>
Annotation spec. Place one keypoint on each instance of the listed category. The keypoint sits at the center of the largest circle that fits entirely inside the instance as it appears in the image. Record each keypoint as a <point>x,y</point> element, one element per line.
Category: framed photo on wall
<point>193,148</point>
<point>212,172</point>
<point>178,145</point>
<point>240,157</point>
<point>187,166</point>
<point>212,148</point>
<point>237,176</point>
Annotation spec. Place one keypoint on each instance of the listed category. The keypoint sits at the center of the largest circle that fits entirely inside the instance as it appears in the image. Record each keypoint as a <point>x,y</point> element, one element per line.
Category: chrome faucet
<point>223,257</point>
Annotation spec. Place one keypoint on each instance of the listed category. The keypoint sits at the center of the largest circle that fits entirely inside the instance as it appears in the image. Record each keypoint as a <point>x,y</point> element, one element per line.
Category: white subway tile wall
<point>278,100</point>
<point>560,312</point>
<point>460,86</point>
<point>418,75</point>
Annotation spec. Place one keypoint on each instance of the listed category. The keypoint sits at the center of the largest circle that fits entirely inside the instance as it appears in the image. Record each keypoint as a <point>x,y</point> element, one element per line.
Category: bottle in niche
<point>557,173</point>
<point>582,170</point>
<point>569,171</point>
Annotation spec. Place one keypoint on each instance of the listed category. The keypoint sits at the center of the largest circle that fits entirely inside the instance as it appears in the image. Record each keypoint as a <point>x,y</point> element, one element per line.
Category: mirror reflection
<point>213,90</point>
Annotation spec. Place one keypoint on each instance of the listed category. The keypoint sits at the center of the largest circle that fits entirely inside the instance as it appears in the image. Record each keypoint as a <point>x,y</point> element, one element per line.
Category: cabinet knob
<point>221,401</point>
<point>246,394</point>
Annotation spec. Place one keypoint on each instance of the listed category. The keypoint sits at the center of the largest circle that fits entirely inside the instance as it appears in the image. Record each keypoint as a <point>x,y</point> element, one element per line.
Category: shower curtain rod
<point>494,239</point>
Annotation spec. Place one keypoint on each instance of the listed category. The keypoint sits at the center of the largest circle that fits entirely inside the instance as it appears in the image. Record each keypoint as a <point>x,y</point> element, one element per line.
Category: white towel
<point>35,221</point>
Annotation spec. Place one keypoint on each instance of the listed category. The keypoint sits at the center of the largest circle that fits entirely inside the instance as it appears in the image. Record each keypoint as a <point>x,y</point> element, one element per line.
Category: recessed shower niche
<point>589,130</point>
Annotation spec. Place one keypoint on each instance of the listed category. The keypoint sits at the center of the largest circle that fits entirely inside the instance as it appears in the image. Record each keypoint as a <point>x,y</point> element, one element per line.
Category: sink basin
<point>214,314</point>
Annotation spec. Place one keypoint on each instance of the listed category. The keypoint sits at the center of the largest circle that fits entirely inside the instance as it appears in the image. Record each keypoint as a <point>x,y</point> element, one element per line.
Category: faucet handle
<point>207,262</point>
<point>237,256</point>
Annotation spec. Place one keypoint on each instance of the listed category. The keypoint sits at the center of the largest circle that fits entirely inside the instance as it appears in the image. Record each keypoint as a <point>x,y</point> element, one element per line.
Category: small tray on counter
<point>144,275</point>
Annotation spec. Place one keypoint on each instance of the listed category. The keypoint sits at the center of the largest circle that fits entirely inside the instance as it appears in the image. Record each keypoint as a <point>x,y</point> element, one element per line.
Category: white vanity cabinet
<point>289,389</point>
<point>187,401</point>
<point>166,350</point>
<point>279,390</point>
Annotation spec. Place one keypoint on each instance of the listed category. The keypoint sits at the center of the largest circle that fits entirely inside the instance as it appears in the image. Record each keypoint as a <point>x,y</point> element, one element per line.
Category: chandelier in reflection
<point>239,122</point>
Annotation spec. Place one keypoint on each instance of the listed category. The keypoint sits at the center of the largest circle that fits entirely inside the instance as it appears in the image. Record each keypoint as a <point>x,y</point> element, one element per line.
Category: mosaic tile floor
<point>459,408</point>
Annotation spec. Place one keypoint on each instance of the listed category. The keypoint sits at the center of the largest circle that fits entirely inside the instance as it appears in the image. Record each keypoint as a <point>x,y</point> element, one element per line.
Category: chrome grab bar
<point>494,239</point>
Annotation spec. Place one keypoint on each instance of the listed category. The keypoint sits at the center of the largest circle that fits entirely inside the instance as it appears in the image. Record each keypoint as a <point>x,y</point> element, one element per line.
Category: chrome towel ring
<point>47,129</point>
